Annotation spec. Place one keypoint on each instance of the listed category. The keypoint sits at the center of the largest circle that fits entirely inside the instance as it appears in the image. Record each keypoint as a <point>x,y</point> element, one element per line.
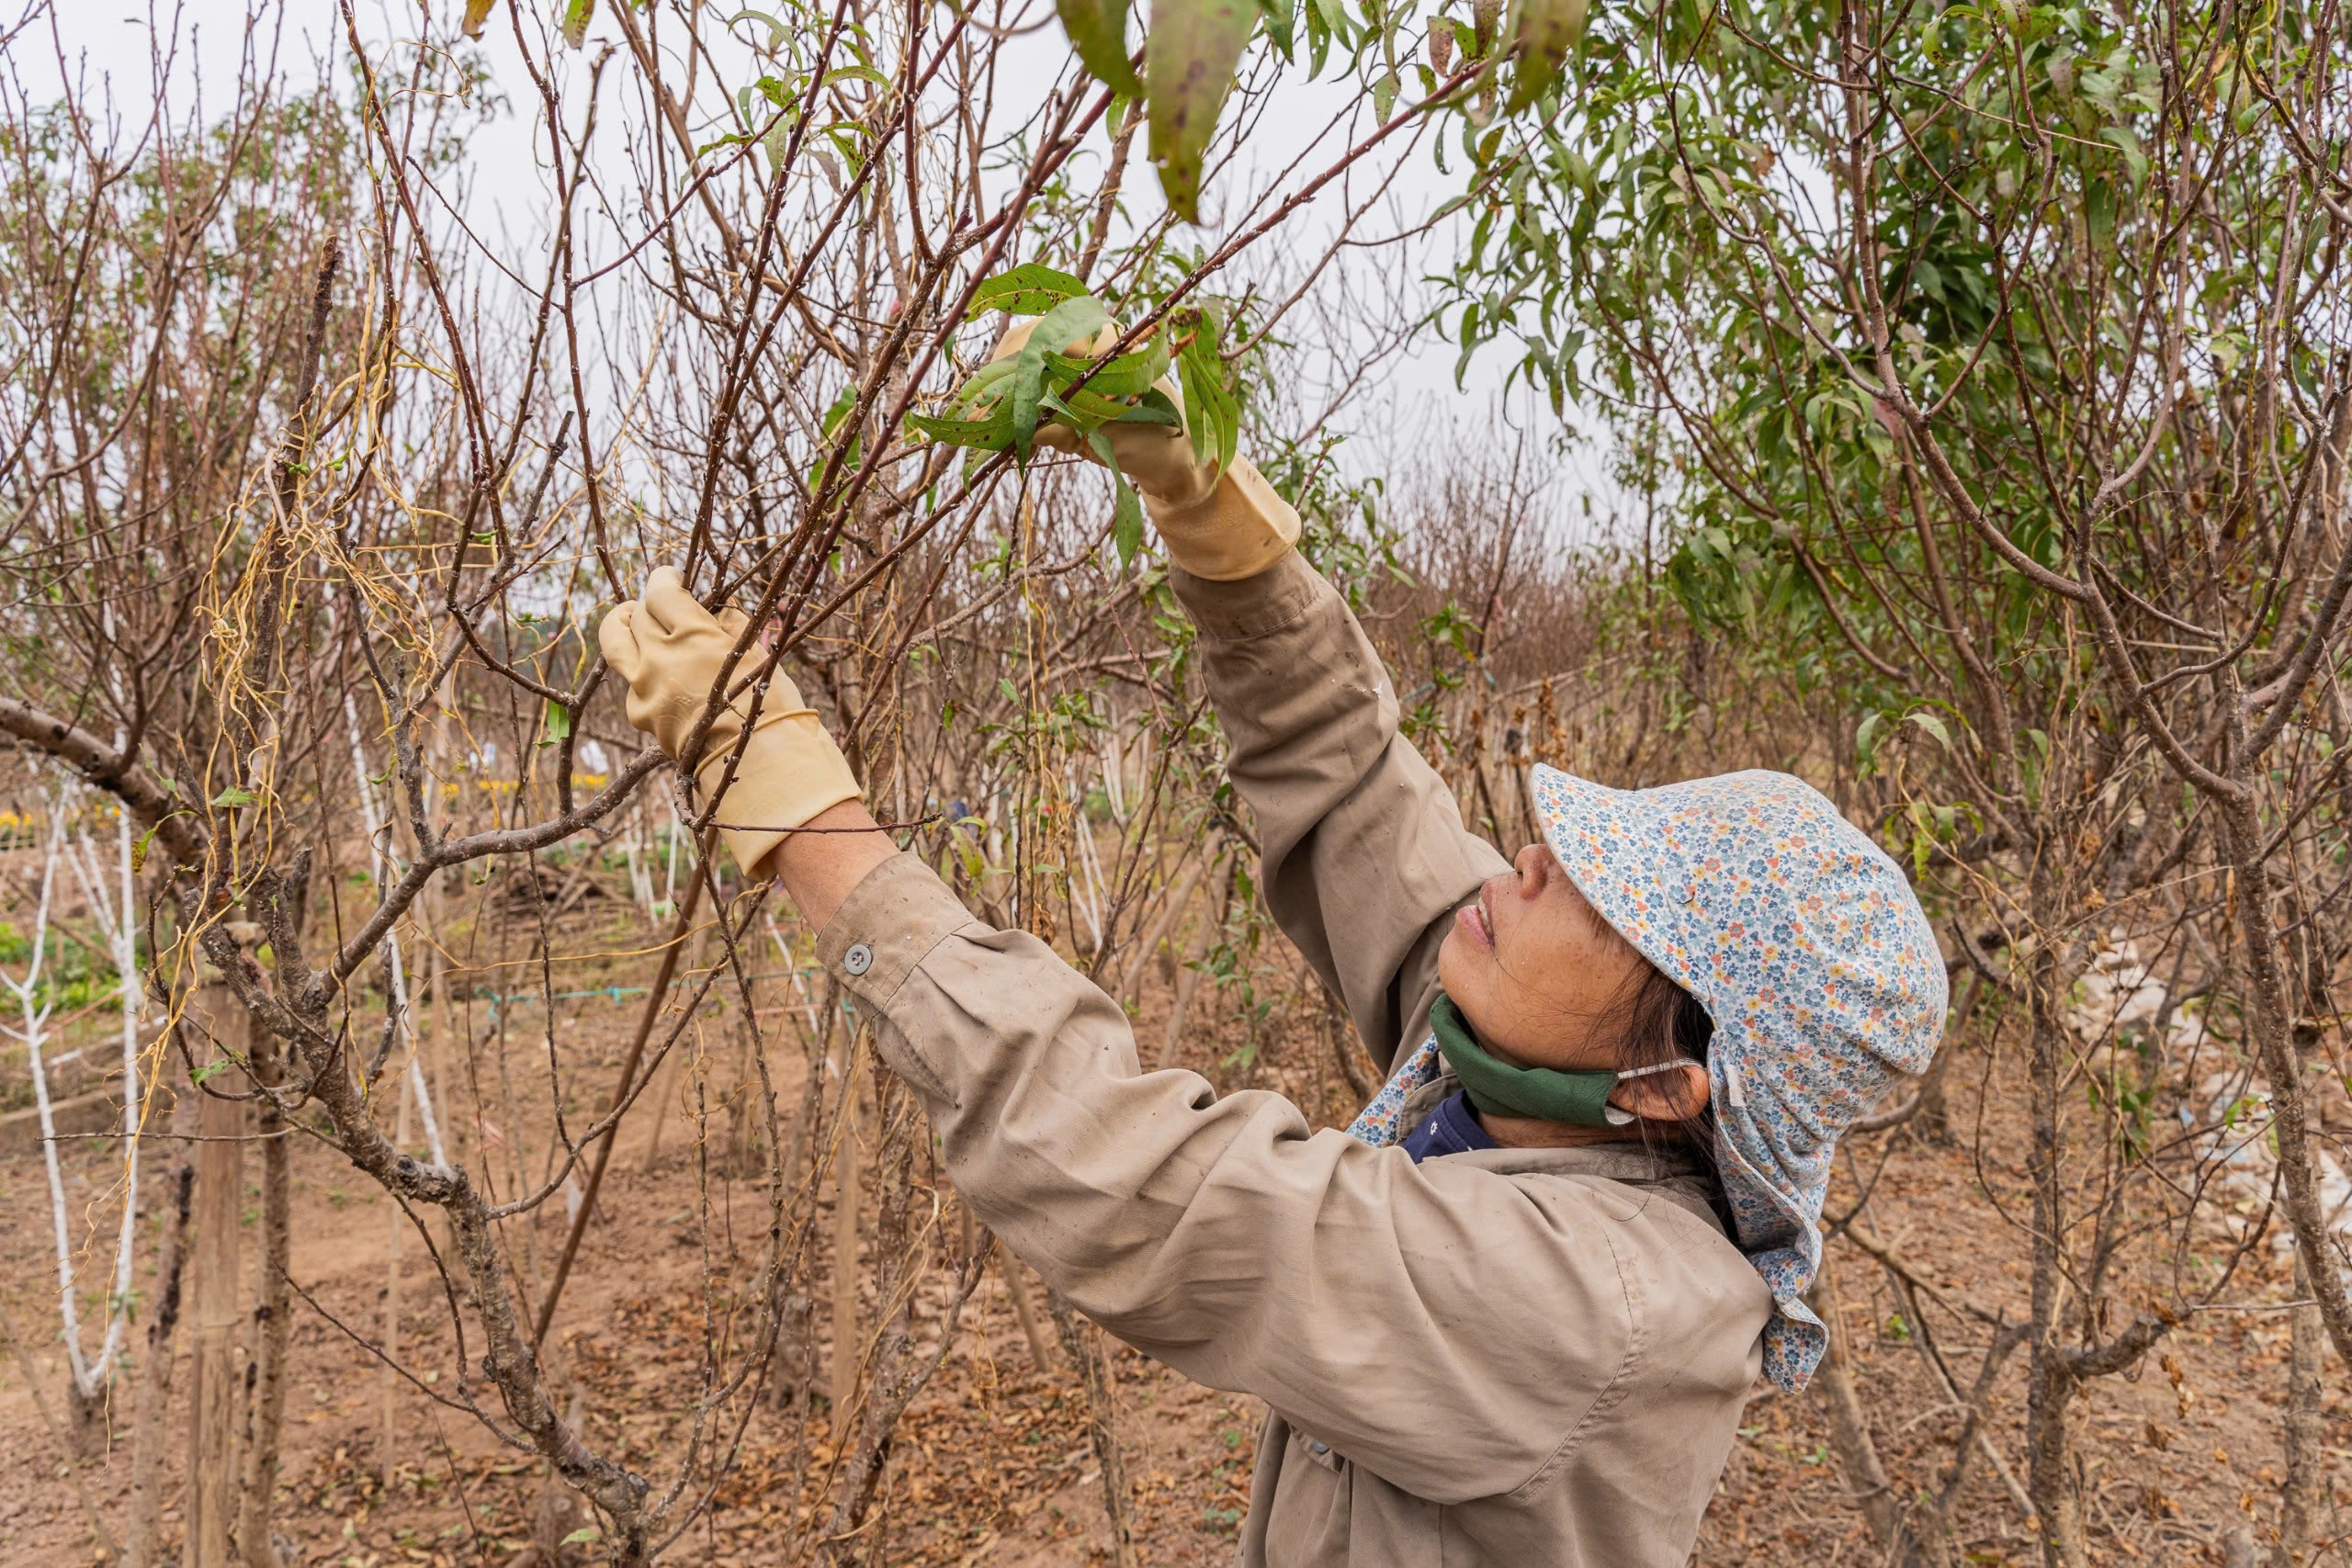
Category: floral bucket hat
<point>1809,951</point>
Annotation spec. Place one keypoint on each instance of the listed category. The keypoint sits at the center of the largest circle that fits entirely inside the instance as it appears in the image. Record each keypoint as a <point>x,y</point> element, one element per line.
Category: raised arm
<point>1354,825</point>
<point>1366,856</point>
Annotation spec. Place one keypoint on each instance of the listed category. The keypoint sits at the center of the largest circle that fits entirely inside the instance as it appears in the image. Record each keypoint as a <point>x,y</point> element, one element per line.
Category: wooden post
<point>1008,1269</point>
<point>217,1208</point>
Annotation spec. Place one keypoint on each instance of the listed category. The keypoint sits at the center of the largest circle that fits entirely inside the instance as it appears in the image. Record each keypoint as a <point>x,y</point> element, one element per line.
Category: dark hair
<point>1658,1021</point>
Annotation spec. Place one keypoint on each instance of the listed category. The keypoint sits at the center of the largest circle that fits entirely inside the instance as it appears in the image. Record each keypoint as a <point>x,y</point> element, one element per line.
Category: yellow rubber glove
<point>669,648</point>
<point>1220,526</point>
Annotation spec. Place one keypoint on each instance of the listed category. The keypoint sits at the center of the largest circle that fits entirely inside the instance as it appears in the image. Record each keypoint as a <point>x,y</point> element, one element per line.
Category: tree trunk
<point>86,1418</point>
<point>1094,1371</point>
<point>1187,979</point>
<point>1849,1431</point>
<point>2303,1511</point>
<point>2050,1384</point>
<point>389,1376</point>
<point>1355,1066</point>
<point>2274,1036</point>
<point>1140,960</point>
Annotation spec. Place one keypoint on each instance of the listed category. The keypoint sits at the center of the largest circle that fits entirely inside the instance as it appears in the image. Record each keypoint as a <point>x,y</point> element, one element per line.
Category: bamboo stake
<point>162,1327</point>
<point>264,1380</point>
<point>220,1192</point>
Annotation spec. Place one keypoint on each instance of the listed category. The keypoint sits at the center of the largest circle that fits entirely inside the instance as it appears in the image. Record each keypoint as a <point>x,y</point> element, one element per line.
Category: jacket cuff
<point>1268,602</point>
<point>889,923</point>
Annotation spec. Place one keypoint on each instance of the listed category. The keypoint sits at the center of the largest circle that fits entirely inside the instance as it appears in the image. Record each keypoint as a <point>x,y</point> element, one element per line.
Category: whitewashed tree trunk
<point>379,862</point>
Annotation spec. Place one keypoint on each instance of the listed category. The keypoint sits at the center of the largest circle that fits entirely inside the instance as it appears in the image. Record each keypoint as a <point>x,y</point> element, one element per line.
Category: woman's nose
<point>1532,863</point>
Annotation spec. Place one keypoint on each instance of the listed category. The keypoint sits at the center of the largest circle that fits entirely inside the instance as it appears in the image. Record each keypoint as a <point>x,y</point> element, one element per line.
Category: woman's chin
<point>1457,960</point>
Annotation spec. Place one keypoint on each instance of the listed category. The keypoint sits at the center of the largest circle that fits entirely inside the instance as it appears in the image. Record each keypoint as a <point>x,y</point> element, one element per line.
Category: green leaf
<point>559,720</point>
<point>1153,408</point>
<point>582,1536</point>
<point>1548,31</point>
<point>776,34</point>
<point>1281,16</point>
<point>1129,376</point>
<point>1866,738</point>
<point>993,433</point>
<point>476,17</point>
<point>1933,725</point>
<point>2120,136</point>
<point>1126,522</point>
<point>236,794</point>
<point>1189,61</point>
<point>1063,325</point>
<point>1098,31</point>
<point>1212,417</point>
<point>1030,289</point>
<point>577,15</point>
<point>1126,517</point>
<point>856,74</point>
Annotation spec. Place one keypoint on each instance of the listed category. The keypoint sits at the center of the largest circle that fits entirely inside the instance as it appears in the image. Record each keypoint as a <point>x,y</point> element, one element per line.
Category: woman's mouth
<point>1473,918</point>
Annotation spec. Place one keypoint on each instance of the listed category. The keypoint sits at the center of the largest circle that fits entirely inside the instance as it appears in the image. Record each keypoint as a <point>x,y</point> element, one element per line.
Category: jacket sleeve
<point>1365,854</point>
<point>1368,1300</point>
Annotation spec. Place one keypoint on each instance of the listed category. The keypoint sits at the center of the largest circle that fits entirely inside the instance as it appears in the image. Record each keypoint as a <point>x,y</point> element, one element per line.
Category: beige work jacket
<point>1513,1357</point>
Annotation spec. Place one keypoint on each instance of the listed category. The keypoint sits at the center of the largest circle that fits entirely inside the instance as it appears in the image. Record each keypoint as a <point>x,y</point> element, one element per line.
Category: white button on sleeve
<point>858,959</point>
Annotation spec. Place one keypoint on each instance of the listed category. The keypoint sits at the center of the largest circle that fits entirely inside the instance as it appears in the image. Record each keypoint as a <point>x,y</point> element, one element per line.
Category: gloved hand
<point>1218,526</point>
<point>669,648</point>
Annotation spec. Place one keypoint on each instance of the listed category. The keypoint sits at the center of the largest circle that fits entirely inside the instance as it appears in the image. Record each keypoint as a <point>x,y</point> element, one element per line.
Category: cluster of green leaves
<point>1655,239</point>
<point>1052,379</point>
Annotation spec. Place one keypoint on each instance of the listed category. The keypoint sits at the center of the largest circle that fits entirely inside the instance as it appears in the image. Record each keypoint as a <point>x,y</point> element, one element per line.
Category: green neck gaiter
<point>1497,1088</point>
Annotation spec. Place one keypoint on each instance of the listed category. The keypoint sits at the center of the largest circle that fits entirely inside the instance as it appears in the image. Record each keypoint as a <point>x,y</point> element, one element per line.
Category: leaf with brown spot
<point>1188,64</point>
<point>577,15</point>
<point>1549,31</point>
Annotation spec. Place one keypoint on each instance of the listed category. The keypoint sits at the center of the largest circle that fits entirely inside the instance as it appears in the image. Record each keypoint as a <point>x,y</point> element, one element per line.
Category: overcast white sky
<point>1417,405</point>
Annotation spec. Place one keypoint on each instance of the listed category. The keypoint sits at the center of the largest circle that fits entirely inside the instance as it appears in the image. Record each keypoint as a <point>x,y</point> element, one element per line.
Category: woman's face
<point>1536,970</point>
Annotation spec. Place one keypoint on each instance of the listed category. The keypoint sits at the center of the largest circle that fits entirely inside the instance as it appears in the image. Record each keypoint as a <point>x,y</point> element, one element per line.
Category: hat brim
<point>1616,846</point>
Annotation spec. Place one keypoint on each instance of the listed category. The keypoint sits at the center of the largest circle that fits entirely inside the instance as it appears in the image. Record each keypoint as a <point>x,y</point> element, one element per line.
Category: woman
<point>1511,1315</point>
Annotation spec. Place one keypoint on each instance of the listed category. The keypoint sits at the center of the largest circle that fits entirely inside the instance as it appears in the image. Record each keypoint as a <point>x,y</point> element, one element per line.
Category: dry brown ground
<point>993,1464</point>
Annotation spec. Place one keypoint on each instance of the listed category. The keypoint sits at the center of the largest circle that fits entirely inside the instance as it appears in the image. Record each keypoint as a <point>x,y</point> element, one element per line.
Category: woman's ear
<point>1675,1096</point>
